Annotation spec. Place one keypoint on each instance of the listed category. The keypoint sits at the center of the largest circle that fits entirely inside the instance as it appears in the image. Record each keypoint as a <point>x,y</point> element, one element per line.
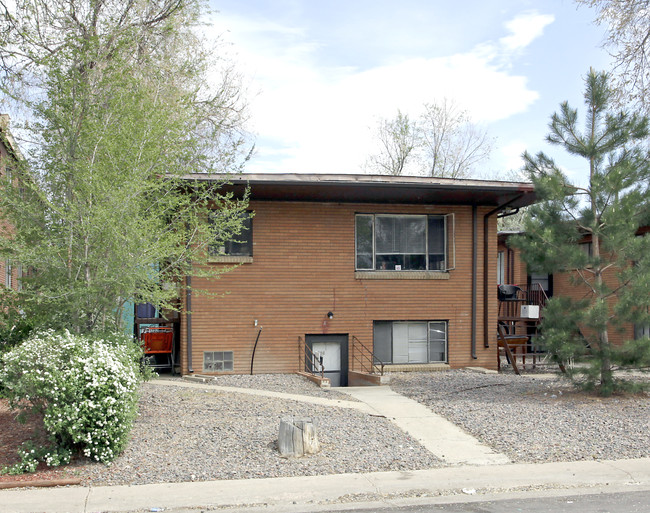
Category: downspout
<point>486,254</point>
<point>474,275</point>
<point>188,305</point>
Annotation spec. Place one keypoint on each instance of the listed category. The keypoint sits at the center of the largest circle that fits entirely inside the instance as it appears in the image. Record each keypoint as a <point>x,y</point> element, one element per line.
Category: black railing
<point>511,297</point>
<point>308,360</point>
<point>366,358</point>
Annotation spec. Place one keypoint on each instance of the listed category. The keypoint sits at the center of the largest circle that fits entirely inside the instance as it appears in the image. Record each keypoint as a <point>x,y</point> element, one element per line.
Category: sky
<point>320,74</point>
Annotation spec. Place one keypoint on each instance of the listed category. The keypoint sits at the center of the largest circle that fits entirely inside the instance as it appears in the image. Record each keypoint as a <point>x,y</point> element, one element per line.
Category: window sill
<point>401,275</point>
<point>230,259</point>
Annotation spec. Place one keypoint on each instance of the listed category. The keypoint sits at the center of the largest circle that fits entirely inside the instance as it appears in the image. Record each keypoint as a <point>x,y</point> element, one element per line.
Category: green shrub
<point>84,386</point>
<point>14,328</point>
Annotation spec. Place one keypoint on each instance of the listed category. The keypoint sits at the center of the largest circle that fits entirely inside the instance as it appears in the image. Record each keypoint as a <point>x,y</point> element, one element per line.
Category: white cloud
<point>320,118</point>
<point>511,155</point>
<point>524,29</point>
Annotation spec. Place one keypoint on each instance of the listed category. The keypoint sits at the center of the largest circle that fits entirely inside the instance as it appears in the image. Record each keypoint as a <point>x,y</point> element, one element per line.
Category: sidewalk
<point>306,492</point>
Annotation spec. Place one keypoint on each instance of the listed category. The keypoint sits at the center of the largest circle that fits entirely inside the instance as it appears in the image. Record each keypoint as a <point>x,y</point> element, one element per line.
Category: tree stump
<point>297,437</point>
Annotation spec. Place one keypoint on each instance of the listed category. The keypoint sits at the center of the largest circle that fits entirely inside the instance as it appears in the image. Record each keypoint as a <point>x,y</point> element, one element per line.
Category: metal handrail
<point>303,348</point>
<point>366,357</point>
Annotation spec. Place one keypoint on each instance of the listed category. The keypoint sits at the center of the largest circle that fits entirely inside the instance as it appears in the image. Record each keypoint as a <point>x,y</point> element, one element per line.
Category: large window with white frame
<point>402,342</point>
<point>389,242</point>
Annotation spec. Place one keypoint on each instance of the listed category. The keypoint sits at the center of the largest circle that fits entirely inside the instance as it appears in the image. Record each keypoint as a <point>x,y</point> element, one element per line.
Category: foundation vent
<point>218,361</point>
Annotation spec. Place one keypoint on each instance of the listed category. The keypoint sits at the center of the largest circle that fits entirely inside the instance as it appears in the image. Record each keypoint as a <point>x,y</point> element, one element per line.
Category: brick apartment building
<point>405,266</point>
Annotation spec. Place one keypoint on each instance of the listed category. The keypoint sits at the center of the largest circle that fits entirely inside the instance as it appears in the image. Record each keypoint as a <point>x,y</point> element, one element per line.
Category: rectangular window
<point>8,274</point>
<point>218,361</point>
<point>588,248</point>
<point>541,279</point>
<point>400,342</point>
<point>501,268</point>
<point>387,242</point>
<point>641,331</point>
<point>236,244</point>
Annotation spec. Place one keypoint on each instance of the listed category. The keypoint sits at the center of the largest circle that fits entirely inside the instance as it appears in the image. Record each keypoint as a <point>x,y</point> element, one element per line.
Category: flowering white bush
<point>85,387</point>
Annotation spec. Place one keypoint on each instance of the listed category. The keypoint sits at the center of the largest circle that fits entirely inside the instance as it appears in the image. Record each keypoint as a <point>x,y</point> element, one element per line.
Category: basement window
<point>218,361</point>
<point>410,341</point>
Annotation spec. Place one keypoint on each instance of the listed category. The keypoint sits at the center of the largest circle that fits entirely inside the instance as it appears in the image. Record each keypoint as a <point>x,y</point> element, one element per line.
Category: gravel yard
<point>285,383</point>
<point>190,434</point>
<point>185,434</point>
<point>532,418</point>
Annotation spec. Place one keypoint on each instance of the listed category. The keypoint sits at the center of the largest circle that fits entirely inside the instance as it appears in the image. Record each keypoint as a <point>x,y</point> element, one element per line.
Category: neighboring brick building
<point>10,272</point>
<point>514,271</point>
<point>394,263</point>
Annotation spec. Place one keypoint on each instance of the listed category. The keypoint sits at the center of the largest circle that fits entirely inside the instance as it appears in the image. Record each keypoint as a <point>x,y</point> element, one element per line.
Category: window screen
<point>364,242</point>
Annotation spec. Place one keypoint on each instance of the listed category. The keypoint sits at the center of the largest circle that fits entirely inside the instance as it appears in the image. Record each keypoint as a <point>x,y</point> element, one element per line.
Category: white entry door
<point>333,351</point>
<point>330,352</point>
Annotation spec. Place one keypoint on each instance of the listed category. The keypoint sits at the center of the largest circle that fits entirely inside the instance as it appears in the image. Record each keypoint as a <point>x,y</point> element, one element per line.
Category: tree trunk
<point>297,437</point>
<point>606,376</point>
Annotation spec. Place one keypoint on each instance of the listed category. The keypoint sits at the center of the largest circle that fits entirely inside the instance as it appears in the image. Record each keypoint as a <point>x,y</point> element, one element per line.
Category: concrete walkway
<point>311,493</point>
<point>442,438</point>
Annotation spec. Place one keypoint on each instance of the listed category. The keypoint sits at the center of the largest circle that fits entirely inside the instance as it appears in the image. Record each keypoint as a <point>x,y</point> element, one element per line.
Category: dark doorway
<point>334,351</point>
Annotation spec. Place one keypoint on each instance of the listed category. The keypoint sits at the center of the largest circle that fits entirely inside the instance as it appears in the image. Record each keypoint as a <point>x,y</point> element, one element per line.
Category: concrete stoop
<point>315,378</point>
<point>360,379</point>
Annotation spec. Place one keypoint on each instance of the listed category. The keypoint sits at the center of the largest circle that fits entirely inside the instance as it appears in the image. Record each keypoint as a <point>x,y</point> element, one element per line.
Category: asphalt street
<point>629,502</point>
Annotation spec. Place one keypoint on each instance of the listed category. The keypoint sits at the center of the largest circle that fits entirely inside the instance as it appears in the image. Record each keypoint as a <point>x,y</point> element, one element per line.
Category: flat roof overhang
<point>374,189</point>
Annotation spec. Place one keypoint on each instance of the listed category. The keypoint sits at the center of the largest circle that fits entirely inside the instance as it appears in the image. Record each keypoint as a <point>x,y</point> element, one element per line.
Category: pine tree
<point>608,212</point>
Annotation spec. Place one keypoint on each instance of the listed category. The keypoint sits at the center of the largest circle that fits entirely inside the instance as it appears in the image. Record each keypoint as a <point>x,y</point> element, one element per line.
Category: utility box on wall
<point>530,311</point>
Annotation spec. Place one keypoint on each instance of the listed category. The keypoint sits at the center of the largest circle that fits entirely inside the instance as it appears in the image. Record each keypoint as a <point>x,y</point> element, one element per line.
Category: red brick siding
<point>4,157</point>
<point>304,255</point>
<point>563,286</point>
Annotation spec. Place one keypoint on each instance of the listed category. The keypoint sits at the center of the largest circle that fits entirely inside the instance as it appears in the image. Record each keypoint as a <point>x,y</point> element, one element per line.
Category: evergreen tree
<point>608,212</point>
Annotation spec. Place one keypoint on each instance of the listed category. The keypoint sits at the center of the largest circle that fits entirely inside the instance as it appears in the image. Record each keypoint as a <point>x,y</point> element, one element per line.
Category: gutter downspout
<point>188,305</point>
<point>486,253</point>
<point>474,276</point>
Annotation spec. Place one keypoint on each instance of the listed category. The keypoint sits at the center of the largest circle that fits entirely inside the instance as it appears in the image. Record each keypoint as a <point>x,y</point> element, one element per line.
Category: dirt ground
<point>12,436</point>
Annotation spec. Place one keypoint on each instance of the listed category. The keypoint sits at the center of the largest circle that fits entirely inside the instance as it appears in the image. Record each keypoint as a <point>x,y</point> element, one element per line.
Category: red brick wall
<point>303,267</point>
<point>4,157</point>
<point>563,285</point>
<point>516,272</point>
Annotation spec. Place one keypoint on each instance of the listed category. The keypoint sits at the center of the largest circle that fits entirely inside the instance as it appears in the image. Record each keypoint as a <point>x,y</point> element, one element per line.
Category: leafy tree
<point>452,144</point>
<point>120,101</point>
<point>442,142</point>
<point>607,211</point>
<point>628,23</point>
<point>398,140</point>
